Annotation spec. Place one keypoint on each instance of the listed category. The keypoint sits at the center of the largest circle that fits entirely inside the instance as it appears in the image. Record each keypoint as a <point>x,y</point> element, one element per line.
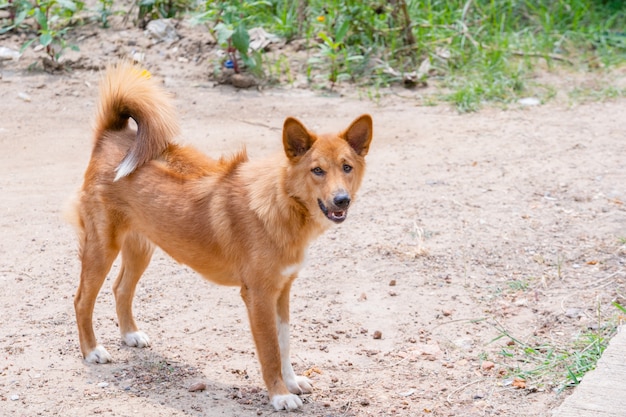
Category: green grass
<point>553,366</point>
<point>518,285</point>
<point>480,51</point>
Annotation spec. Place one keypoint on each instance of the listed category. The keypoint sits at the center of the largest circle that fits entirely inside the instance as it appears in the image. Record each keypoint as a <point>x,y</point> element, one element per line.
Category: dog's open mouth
<point>335,215</point>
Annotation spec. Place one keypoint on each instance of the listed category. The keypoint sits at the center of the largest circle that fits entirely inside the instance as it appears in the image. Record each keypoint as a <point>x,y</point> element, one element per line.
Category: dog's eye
<point>318,171</point>
<point>347,168</point>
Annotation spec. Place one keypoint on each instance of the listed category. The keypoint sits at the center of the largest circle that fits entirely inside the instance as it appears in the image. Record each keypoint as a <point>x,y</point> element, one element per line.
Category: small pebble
<point>529,101</point>
<point>487,365</point>
<point>378,334</point>
<point>15,397</point>
<point>392,283</point>
<point>24,97</point>
<point>574,313</point>
<point>408,393</point>
<point>103,384</point>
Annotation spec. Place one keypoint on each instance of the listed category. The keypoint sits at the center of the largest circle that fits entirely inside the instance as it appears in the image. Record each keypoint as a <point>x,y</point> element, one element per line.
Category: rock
<point>487,365</point>
<point>162,30</point>
<point>260,39</point>
<point>103,384</point>
<point>22,95</point>
<point>378,334</point>
<point>242,81</point>
<point>8,54</point>
<point>138,57</point>
<point>529,101</point>
<point>198,386</point>
<point>14,397</point>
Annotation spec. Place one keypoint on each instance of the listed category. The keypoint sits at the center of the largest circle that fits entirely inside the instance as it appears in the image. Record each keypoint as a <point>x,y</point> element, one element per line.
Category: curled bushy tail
<point>127,91</point>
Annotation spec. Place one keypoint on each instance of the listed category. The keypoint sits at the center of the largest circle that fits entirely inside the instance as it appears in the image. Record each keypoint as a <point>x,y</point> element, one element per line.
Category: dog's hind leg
<point>261,304</point>
<point>136,254</point>
<point>98,251</point>
<point>295,383</point>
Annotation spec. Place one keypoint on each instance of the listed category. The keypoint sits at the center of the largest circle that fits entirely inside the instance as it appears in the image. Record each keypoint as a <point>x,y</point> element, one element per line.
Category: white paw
<point>138,339</point>
<point>299,385</point>
<point>286,402</point>
<point>99,355</point>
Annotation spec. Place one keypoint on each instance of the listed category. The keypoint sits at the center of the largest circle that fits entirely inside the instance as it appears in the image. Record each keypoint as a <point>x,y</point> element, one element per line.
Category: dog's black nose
<point>342,200</point>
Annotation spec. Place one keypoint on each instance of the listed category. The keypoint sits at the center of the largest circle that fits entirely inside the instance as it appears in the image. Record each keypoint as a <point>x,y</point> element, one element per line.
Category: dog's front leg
<point>262,312</point>
<point>295,383</point>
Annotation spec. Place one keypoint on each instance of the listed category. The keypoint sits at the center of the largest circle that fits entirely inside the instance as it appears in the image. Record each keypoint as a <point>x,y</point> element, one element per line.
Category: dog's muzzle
<point>337,211</point>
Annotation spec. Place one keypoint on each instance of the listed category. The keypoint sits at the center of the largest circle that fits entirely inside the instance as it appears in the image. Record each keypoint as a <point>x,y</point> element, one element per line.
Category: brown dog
<point>236,222</point>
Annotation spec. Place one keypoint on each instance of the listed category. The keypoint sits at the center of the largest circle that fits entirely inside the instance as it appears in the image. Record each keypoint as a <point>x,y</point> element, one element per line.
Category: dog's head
<point>325,171</point>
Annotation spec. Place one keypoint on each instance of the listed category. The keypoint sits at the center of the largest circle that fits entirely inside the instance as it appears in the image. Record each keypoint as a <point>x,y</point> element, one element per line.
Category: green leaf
<point>241,39</point>
<point>342,31</point>
<point>325,38</point>
<point>41,19</point>
<point>254,64</point>
<point>20,17</point>
<point>223,33</point>
<point>67,4</point>
<point>6,29</point>
<point>45,39</point>
<point>203,17</point>
<point>26,45</point>
<point>619,306</point>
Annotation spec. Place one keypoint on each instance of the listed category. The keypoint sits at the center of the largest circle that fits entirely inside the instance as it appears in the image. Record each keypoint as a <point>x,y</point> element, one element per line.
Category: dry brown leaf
<point>519,383</point>
<point>311,371</point>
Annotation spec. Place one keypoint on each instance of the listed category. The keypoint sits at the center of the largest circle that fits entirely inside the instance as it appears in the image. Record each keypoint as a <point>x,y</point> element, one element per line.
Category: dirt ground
<point>466,227</point>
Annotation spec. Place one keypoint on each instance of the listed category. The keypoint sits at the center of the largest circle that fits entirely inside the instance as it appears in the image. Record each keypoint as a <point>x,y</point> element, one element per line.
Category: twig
<point>347,408</point>
<point>556,57</point>
<point>257,124</point>
<point>11,271</point>
<point>458,320</point>
<point>465,32</point>
<point>461,388</point>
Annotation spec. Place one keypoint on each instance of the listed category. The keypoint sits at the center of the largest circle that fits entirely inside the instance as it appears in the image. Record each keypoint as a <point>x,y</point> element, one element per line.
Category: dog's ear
<point>296,139</point>
<point>359,134</point>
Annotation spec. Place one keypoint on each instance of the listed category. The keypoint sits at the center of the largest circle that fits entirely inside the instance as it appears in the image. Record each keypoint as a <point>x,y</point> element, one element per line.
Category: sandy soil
<point>466,226</point>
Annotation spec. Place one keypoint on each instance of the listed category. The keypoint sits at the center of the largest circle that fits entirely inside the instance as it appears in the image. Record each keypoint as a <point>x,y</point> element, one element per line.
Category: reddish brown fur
<point>237,222</point>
